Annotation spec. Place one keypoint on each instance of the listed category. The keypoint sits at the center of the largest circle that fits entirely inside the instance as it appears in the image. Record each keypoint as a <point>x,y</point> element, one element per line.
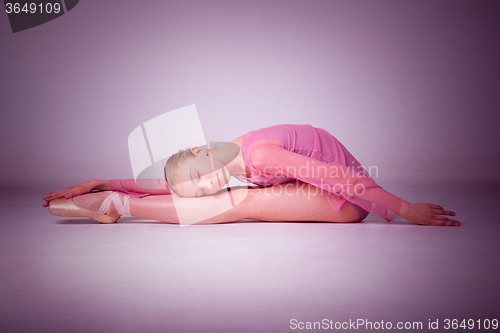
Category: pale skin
<point>260,205</point>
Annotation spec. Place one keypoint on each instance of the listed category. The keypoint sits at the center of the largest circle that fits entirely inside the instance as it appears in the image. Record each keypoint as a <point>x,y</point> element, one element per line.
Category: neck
<point>230,155</point>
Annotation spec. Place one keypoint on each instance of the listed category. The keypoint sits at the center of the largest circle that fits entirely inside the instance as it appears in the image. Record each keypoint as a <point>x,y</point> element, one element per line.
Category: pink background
<point>409,86</point>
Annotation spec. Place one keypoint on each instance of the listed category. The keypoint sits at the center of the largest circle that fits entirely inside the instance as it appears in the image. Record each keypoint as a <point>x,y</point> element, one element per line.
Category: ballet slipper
<point>121,208</point>
<point>68,208</point>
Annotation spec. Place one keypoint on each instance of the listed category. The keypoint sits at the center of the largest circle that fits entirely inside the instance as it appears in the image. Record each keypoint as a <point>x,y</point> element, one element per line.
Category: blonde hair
<point>173,163</point>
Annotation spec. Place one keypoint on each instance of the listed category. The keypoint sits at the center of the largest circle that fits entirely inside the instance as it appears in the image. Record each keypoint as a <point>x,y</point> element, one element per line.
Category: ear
<point>199,151</point>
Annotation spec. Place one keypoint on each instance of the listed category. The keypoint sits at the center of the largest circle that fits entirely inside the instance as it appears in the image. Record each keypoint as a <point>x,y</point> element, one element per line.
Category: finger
<point>50,197</point>
<point>437,207</point>
<point>56,191</point>
<point>59,191</point>
<point>54,196</point>
<point>442,217</point>
<point>443,221</point>
<point>451,223</point>
<point>53,193</point>
<point>445,212</point>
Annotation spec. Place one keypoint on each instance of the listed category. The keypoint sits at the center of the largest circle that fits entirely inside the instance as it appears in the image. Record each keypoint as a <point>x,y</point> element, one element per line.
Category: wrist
<point>405,208</point>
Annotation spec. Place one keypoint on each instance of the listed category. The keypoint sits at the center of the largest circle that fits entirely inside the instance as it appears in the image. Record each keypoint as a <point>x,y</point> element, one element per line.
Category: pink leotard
<point>281,153</point>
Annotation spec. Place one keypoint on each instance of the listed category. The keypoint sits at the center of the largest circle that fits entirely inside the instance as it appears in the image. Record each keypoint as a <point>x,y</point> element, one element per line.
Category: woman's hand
<point>72,191</point>
<point>427,214</point>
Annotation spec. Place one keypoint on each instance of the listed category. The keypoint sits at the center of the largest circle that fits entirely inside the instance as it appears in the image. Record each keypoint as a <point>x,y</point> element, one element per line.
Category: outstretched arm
<point>139,188</point>
<point>150,186</point>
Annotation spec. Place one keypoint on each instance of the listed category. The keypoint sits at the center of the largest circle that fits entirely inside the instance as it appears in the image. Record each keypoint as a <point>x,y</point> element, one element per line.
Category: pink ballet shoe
<point>67,208</point>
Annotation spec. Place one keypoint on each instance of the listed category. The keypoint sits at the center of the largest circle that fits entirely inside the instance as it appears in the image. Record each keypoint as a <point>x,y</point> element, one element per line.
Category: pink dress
<point>282,153</point>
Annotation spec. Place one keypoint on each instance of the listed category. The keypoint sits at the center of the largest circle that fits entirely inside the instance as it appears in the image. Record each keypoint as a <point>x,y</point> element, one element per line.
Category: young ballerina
<point>275,156</point>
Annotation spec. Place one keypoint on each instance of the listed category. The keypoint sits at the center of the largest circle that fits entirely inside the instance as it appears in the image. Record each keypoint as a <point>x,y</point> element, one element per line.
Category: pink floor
<point>75,275</point>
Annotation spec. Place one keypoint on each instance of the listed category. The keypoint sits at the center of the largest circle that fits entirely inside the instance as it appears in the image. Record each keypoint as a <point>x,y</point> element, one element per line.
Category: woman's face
<point>201,175</point>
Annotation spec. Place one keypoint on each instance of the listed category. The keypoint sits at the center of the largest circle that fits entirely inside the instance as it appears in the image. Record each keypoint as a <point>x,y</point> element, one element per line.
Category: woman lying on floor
<point>315,178</point>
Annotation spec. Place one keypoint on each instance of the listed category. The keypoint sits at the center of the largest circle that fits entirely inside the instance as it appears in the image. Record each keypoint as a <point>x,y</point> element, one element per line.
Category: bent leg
<point>285,202</point>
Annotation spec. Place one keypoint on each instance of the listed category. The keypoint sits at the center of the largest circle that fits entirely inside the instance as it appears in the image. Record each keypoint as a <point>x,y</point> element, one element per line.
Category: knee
<point>348,214</point>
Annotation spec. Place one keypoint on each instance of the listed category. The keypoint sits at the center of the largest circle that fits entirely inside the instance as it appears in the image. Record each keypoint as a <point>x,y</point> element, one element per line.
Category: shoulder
<point>282,133</point>
<point>264,151</point>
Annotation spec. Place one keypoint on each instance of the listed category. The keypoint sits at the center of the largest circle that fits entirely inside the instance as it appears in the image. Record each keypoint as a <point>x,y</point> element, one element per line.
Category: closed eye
<point>202,191</point>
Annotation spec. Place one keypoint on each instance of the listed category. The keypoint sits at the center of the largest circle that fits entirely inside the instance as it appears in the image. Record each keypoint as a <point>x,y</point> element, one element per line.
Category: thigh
<point>293,201</point>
